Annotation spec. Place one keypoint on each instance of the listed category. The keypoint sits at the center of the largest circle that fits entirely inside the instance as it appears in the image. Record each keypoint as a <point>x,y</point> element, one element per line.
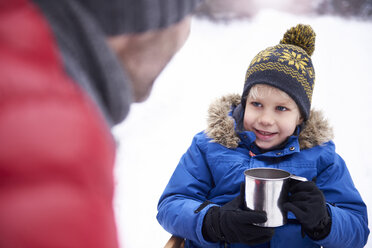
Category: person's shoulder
<point>201,139</point>
<point>205,143</point>
<point>324,155</point>
<point>326,150</point>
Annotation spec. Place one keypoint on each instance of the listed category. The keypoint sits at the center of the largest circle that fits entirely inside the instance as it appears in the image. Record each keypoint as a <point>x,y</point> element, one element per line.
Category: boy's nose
<point>266,119</point>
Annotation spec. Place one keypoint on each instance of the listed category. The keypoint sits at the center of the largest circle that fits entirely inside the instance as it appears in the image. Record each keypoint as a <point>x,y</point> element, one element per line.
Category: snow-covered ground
<point>212,63</point>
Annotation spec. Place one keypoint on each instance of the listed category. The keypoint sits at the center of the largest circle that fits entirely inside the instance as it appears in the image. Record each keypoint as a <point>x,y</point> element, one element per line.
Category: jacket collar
<point>247,139</point>
<point>222,127</point>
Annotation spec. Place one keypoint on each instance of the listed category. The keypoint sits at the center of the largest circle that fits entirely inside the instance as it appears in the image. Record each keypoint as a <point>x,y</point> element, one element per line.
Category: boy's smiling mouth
<point>264,135</point>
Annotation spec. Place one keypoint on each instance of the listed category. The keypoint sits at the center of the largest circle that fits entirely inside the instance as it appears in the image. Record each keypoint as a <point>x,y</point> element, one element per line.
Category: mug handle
<point>298,178</point>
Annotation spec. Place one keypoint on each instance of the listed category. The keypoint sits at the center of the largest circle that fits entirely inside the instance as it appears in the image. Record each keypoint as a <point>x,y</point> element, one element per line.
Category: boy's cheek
<point>246,125</point>
<point>246,122</point>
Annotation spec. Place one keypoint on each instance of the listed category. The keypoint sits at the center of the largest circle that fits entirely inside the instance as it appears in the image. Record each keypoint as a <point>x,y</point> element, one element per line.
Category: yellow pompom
<point>302,36</point>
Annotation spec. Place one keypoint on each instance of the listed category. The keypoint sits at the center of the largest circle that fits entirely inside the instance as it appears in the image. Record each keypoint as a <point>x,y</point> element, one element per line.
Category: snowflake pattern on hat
<point>287,66</point>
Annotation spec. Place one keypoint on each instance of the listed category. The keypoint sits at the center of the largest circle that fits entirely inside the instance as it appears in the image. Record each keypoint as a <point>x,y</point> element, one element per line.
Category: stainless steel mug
<point>266,189</point>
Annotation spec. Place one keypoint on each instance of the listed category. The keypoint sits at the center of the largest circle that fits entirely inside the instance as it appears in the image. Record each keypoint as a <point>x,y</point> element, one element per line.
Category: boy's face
<point>271,114</point>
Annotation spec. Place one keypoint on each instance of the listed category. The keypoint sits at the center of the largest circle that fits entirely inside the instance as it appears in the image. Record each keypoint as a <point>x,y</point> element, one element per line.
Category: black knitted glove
<point>308,204</point>
<point>233,223</point>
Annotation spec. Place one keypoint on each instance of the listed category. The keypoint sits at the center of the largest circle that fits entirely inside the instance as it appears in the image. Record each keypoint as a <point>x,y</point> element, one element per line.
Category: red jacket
<point>56,150</point>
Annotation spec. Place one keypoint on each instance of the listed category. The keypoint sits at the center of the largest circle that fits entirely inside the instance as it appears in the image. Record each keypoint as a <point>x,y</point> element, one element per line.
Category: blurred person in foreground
<point>69,71</point>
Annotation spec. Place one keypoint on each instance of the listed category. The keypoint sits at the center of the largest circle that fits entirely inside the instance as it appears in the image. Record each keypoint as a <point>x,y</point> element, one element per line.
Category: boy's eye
<point>256,104</point>
<point>281,108</point>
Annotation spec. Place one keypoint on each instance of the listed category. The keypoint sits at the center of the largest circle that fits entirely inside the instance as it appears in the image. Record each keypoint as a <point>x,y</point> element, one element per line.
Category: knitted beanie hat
<point>286,66</point>
<point>134,16</point>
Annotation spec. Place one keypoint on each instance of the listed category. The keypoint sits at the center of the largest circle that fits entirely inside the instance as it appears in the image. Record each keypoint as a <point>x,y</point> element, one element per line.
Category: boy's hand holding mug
<point>233,223</point>
<point>308,204</point>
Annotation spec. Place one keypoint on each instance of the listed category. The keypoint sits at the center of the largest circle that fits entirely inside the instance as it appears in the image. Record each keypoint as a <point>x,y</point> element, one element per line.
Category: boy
<point>270,125</point>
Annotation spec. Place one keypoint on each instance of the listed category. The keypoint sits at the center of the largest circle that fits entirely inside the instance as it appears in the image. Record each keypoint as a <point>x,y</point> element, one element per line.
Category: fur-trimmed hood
<point>221,126</point>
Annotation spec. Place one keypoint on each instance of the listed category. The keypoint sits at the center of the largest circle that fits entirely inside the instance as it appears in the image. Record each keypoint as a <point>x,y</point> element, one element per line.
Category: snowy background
<point>212,63</point>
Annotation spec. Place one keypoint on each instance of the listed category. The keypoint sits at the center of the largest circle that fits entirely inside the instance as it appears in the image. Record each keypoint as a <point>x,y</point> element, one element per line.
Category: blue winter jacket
<point>212,169</point>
